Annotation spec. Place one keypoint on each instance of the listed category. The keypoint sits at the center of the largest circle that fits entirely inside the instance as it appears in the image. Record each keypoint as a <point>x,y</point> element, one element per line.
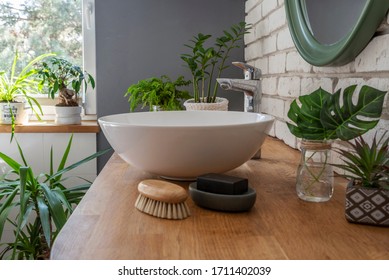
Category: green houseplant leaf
<point>348,121</point>
<point>205,62</point>
<point>366,164</point>
<point>307,116</point>
<point>161,92</point>
<point>42,204</point>
<point>324,116</point>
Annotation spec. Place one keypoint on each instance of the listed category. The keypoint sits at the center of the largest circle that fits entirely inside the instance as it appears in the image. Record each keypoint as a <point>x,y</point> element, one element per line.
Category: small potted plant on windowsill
<point>367,168</point>
<point>320,118</point>
<point>205,62</point>
<point>16,93</point>
<point>59,75</point>
<point>158,93</point>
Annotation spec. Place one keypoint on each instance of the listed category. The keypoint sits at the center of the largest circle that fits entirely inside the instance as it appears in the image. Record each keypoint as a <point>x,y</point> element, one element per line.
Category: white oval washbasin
<point>186,144</point>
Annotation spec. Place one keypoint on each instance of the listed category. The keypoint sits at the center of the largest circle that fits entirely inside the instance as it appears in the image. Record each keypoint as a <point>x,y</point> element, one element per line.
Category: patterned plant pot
<point>367,205</point>
<point>19,110</point>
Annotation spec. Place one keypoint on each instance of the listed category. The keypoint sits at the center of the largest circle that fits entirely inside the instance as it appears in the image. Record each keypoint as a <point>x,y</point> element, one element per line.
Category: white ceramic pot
<point>68,114</point>
<point>221,104</point>
<point>20,112</point>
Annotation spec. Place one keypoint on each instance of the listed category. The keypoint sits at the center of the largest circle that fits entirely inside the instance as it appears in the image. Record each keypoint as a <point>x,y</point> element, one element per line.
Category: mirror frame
<point>343,51</point>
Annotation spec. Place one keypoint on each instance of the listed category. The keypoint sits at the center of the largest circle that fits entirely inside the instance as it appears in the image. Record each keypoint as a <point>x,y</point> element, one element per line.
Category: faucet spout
<point>251,89</point>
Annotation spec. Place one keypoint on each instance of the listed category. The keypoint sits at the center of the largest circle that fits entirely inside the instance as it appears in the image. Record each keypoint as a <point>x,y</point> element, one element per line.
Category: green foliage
<point>40,26</point>
<point>367,165</point>
<point>60,75</point>
<point>23,84</point>
<point>160,92</point>
<point>325,116</point>
<point>42,203</point>
<point>204,61</point>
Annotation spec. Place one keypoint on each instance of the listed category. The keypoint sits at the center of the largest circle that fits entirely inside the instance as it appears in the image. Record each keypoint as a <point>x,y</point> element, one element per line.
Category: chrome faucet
<point>250,85</point>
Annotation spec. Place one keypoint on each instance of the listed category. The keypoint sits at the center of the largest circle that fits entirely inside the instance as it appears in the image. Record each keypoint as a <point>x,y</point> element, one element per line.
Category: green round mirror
<point>333,32</point>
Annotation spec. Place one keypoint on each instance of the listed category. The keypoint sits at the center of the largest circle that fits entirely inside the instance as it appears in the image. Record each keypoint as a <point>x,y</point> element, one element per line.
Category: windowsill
<point>90,126</point>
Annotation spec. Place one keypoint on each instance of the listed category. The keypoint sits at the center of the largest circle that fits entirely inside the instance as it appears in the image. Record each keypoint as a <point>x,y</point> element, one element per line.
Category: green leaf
<point>306,117</point>
<point>4,216</point>
<point>11,162</point>
<point>348,121</point>
<point>65,156</point>
<point>44,216</point>
<point>56,209</point>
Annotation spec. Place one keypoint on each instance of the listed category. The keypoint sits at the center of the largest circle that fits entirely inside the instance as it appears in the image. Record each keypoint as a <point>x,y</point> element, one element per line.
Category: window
<point>41,26</point>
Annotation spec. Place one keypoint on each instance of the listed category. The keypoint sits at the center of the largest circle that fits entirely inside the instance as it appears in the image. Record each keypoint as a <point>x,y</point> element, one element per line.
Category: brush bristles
<point>172,211</point>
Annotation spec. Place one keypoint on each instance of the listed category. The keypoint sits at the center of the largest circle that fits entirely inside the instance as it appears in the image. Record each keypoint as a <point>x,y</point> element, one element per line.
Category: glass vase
<point>314,174</point>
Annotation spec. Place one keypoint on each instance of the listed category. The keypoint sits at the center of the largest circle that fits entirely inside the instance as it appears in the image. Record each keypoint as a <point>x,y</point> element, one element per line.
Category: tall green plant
<point>204,61</point>
<point>42,202</point>
<point>324,116</point>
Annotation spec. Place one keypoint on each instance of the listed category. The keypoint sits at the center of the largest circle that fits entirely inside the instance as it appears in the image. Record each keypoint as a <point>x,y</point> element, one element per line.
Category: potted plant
<point>59,75</point>
<point>16,92</point>
<point>204,62</point>
<point>367,168</point>
<point>37,206</point>
<point>158,93</point>
<point>319,118</point>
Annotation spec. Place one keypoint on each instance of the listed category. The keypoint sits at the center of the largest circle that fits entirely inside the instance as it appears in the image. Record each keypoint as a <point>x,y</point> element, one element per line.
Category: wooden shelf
<point>106,224</point>
<point>51,127</point>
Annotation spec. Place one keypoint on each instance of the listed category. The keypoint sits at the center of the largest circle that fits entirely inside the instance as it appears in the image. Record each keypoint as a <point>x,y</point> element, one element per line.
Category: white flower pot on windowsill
<point>68,114</point>
<point>20,112</point>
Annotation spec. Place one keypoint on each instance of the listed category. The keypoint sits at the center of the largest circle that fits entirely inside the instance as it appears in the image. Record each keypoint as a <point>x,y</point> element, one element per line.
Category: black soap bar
<point>222,184</point>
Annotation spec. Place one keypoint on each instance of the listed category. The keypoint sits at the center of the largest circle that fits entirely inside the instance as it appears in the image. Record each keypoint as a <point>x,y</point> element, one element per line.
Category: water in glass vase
<point>315,174</point>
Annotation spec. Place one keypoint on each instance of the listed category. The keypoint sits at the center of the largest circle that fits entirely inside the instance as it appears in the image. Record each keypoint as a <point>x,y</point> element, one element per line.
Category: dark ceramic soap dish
<point>223,202</point>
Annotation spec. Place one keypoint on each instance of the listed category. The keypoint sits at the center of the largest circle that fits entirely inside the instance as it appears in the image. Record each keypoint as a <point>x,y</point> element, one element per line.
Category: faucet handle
<point>250,72</point>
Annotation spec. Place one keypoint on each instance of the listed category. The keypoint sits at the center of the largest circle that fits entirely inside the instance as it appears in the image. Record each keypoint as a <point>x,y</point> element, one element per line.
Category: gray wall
<point>138,39</point>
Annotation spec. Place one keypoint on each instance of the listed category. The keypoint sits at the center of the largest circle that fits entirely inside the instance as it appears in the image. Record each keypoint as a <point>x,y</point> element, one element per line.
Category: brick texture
<point>285,75</point>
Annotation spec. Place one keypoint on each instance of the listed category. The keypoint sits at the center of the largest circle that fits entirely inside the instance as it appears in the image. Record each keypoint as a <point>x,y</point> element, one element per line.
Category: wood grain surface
<point>51,127</point>
<point>106,224</point>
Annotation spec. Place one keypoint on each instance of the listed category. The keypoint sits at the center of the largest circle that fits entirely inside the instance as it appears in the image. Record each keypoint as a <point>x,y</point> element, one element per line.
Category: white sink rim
<point>170,143</point>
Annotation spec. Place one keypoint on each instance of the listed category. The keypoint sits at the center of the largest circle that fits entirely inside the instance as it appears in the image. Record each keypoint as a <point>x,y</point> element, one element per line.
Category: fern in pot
<point>207,63</point>
<point>320,118</point>
<point>158,94</point>
<point>366,166</point>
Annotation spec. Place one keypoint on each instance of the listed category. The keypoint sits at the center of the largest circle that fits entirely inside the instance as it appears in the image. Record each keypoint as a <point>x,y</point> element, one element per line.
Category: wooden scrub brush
<point>162,199</point>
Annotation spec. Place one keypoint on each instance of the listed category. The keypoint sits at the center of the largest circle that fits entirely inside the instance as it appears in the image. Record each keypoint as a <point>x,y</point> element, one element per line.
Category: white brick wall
<point>286,75</point>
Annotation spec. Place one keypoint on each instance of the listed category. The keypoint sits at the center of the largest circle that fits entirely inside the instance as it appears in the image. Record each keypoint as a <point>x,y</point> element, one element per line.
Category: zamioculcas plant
<point>206,61</point>
<point>41,202</point>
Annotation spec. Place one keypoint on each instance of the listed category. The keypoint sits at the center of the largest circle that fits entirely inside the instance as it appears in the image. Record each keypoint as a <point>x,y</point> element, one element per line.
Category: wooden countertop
<point>106,224</point>
<point>51,127</point>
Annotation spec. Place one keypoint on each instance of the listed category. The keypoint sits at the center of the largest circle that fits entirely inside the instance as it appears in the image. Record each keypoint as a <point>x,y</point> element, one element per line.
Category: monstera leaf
<point>348,121</point>
<point>307,116</point>
<point>322,115</point>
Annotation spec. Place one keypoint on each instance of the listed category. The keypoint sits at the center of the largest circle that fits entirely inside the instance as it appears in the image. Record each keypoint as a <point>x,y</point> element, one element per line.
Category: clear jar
<point>315,179</point>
